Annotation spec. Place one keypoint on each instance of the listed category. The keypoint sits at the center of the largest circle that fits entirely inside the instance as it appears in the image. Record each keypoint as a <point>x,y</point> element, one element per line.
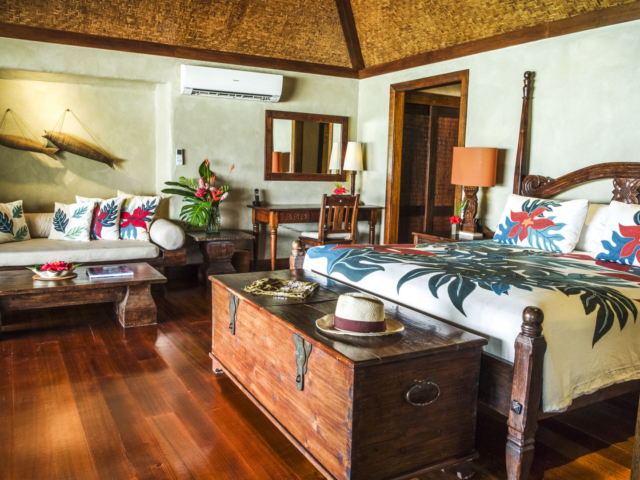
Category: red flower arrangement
<point>339,190</point>
<point>57,266</point>
<point>458,208</point>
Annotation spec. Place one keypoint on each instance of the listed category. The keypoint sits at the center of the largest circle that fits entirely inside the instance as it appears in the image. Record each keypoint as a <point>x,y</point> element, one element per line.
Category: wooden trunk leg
<point>635,464</point>
<point>526,393</point>
<point>216,259</point>
<point>137,307</point>
<point>216,365</point>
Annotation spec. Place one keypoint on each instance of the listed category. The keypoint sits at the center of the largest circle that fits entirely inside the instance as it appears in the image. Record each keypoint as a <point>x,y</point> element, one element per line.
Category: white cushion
<point>593,227</point>
<point>72,222</point>
<point>39,224</point>
<point>42,250</point>
<point>544,224</point>
<point>105,221</point>
<point>166,234</point>
<point>137,215</point>
<point>13,226</point>
<point>328,236</point>
<point>620,240</point>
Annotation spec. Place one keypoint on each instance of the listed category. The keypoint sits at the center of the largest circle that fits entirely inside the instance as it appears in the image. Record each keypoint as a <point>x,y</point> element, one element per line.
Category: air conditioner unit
<point>234,84</point>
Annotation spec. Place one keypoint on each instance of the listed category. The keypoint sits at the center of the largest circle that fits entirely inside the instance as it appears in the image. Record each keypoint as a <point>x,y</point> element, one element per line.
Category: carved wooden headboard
<point>625,175</point>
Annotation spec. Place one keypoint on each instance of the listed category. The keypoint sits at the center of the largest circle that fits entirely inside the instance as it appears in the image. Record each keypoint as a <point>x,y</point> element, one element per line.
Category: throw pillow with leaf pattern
<point>105,223</point>
<point>72,222</point>
<point>137,215</point>
<point>545,224</point>
<point>13,226</point>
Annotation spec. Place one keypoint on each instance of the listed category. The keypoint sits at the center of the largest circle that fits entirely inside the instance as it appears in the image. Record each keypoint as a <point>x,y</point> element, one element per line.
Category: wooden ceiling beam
<point>37,34</point>
<point>350,34</point>
<point>596,19</point>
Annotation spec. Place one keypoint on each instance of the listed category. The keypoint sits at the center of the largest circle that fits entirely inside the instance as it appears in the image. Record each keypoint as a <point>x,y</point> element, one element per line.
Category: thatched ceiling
<point>298,30</point>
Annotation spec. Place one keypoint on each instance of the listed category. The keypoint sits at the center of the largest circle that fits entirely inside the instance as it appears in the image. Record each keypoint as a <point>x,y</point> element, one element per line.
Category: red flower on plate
<point>137,218</point>
<point>526,221</point>
<point>633,232</point>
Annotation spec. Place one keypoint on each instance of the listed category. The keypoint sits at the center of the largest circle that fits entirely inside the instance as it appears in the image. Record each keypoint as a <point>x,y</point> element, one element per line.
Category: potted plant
<point>202,198</point>
<point>55,269</point>
<point>455,220</point>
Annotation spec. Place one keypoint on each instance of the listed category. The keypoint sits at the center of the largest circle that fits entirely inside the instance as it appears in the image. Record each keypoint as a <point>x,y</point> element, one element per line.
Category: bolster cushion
<point>166,235</point>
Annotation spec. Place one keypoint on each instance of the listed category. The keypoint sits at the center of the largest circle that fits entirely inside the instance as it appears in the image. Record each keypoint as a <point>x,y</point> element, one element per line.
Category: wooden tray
<point>54,279</point>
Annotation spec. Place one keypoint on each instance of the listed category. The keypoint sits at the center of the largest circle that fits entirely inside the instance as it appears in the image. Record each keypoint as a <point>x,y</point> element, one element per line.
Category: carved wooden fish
<point>73,145</point>
<point>21,143</point>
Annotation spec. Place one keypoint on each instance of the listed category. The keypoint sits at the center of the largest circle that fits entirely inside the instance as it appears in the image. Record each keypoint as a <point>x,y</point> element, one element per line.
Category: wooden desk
<point>274,215</point>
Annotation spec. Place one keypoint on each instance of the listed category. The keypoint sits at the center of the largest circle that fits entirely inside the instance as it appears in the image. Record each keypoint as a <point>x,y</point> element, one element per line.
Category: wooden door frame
<point>396,125</point>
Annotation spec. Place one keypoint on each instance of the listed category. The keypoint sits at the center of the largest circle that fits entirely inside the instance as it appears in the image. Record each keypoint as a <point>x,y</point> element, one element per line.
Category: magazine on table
<point>109,272</point>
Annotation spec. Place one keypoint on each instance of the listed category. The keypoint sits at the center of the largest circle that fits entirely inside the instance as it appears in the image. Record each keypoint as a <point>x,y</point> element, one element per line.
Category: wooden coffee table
<point>131,295</point>
<point>359,408</point>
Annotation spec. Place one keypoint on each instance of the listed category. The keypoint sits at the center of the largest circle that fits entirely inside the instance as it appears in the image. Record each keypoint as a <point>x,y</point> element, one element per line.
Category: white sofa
<point>165,248</point>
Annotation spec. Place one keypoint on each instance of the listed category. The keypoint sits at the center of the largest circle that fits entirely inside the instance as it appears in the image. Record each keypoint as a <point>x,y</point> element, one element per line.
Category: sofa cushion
<point>72,222</point>
<point>105,222</point>
<point>137,215</point>
<point>13,226</point>
<point>42,250</point>
<point>166,234</point>
<point>39,224</point>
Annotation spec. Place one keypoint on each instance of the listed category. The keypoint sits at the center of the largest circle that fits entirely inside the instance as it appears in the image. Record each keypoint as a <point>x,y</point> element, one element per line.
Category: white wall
<point>225,131</point>
<point>585,110</point>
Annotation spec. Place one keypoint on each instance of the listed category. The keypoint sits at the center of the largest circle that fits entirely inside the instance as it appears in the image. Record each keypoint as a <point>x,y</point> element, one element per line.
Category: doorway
<point>427,119</point>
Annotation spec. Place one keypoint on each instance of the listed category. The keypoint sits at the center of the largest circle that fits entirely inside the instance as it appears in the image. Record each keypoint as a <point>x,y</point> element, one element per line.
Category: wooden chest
<point>358,408</point>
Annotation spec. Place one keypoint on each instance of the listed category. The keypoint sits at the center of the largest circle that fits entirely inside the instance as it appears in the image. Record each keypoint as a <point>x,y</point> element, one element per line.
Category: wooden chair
<point>337,223</point>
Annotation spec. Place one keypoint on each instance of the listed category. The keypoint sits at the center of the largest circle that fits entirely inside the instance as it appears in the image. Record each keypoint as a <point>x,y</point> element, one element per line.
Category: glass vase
<point>213,225</point>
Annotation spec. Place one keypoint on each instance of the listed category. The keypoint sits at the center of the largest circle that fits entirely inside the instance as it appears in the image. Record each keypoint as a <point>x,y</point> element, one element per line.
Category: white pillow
<point>72,222</point>
<point>544,224</point>
<point>593,227</point>
<point>13,226</point>
<point>105,221</point>
<point>621,237</point>
<point>137,215</point>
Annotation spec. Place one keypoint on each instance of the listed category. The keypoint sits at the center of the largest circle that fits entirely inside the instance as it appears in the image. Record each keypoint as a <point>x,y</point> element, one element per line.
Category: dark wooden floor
<point>82,398</point>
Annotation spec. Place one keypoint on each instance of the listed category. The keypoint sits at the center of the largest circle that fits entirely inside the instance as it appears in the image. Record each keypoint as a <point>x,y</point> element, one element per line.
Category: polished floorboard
<point>81,398</point>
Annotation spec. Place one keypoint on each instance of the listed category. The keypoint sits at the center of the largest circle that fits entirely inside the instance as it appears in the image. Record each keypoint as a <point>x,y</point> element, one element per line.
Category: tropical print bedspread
<point>590,306</point>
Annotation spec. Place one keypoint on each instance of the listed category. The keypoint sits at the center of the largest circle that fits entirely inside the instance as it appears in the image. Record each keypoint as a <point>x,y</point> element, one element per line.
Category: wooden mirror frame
<point>299,176</point>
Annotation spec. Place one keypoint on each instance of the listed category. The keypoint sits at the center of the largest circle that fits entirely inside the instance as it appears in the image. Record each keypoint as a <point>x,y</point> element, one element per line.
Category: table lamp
<point>334,161</point>
<point>473,167</point>
<point>353,162</point>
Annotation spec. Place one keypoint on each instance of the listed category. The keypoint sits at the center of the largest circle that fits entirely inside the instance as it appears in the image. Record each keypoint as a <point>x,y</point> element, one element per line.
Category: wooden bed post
<point>526,394</point>
<point>296,260</point>
<point>522,154</point>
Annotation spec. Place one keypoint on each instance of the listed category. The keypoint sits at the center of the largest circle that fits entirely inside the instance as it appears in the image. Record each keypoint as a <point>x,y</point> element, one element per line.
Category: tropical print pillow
<point>72,222</point>
<point>105,221</point>
<point>137,215</point>
<point>13,226</point>
<point>544,224</point>
<point>621,236</point>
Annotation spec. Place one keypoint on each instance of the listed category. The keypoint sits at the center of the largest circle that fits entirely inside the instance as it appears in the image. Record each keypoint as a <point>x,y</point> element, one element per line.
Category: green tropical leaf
<point>21,234</point>
<point>73,233</point>
<point>179,191</point>
<point>196,214</point>
<point>17,211</point>
<point>6,224</point>
<point>187,182</point>
<point>80,212</point>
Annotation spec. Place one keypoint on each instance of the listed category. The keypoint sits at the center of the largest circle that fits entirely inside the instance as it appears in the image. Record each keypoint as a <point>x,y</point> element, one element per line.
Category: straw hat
<point>359,314</point>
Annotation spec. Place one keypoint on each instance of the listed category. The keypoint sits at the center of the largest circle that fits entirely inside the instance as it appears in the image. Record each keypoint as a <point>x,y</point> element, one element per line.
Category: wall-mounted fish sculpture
<point>21,143</point>
<point>74,145</point>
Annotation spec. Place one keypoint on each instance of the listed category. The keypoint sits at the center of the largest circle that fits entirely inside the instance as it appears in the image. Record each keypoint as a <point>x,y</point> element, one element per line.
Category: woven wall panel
<point>394,29</point>
<point>303,30</point>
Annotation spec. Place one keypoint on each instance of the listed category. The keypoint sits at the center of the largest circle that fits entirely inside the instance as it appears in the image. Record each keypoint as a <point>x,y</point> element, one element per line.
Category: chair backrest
<point>338,214</point>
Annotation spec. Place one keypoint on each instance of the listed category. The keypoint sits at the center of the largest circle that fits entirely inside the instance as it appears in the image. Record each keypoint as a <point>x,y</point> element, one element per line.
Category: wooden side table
<point>443,237</point>
<point>217,250</point>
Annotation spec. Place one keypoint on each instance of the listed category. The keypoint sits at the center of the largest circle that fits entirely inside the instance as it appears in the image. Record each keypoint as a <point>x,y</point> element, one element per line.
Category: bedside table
<point>444,236</point>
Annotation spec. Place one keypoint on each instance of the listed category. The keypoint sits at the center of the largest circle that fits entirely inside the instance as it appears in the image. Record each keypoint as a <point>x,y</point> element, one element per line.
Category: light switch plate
<point>179,157</point>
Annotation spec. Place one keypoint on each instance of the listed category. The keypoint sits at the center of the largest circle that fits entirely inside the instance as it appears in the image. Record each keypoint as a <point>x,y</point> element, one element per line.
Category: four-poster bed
<point>514,388</point>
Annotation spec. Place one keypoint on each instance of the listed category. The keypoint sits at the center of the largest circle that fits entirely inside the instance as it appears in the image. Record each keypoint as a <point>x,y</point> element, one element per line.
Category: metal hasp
<point>303,350</point>
<point>233,310</point>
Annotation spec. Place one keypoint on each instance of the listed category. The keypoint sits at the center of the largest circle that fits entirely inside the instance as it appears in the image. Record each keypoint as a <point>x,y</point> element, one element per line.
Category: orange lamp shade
<point>474,166</point>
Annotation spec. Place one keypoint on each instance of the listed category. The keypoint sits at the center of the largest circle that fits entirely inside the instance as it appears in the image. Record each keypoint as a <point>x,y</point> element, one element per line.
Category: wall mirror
<point>305,147</point>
